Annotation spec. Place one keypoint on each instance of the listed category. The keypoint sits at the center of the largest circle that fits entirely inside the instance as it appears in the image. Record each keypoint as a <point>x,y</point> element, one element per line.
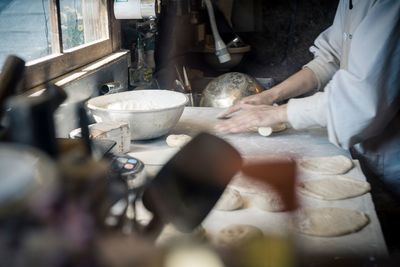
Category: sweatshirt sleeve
<point>358,103</point>
<point>327,48</point>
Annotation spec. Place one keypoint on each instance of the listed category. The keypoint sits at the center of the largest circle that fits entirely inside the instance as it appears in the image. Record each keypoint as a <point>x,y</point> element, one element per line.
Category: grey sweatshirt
<point>357,65</point>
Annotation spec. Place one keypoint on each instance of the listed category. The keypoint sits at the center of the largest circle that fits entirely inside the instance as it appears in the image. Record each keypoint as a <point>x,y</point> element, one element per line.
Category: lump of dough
<point>327,165</point>
<point>247,185</point>
<point>330,222</point>
<point>269,200</point>
<point>262,196</point>
<point>178,140</point>
<point>230,200</point>
<point>264,131</point>
<point>334,188</point>
<point>170,234</point>
<point>267,131</point>
<point>236,234</point>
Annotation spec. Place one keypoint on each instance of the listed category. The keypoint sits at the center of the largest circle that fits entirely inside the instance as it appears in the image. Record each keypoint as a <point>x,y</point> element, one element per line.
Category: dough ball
<point>330,222</point>
<point>170,234</point>
<point>236,234</point>
<point>178,140</point>
<point>264,131</point>
<point>267,131</point>
<point>334,188</point>
<point>259,194</point>
<point>327,165</point>
<point>230,200</point>
<point>269,200</point>
<point>247,185</point>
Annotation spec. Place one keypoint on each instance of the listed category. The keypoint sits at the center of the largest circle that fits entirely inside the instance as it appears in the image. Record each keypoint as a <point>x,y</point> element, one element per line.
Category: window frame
<point>60,62</point>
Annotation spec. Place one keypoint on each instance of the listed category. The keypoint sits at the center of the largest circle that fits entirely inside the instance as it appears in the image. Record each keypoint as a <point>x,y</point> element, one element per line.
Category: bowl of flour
<point>150,113</point>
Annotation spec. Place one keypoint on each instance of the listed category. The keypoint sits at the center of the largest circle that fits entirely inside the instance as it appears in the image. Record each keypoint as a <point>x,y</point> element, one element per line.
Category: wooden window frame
<point>61,62</point>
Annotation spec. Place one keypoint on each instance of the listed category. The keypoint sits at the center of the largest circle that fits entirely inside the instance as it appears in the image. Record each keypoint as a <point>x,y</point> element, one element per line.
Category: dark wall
<point>283,32</point>
<point>280,33</point>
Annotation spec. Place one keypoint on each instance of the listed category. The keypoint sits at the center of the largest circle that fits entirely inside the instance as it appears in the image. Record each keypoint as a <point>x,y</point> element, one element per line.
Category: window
<point>56,36</point>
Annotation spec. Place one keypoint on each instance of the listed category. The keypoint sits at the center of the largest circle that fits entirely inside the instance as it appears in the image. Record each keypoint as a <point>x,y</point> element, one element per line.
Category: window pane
<point>25,29</point>
<point>83,21</point>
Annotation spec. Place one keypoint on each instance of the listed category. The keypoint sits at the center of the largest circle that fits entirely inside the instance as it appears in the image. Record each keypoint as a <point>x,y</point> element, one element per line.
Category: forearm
<point>298,84</point>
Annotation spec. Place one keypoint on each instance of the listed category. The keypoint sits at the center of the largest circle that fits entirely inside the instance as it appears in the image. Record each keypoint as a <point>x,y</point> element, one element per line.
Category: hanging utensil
<point>188,87</point>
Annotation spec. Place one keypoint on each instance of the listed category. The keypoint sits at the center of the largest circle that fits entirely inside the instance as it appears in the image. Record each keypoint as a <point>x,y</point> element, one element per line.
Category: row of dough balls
<point>232,200</point>
<point>328,188</point>
<point>325,222</point>
<point>231,235</point>
<point>179,140</point>
<point>330,221</point>
<point>320,222</point>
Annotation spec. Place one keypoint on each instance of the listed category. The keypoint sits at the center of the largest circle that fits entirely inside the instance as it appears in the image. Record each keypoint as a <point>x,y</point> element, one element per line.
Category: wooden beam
<point>105,30</point>
<point>55,24</point>
<point>95,20</point>
<point>114,27</point>
<point>48,68</point>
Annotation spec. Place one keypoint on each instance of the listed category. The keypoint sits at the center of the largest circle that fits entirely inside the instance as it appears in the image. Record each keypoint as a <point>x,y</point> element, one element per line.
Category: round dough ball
<point>247,185</point>
<point>178,140</point>
<point>230,200</point>
<point>267,131</point>
<point>330,222</point>
<point>236,234</point>
<point>260,194</point>
<point>264,131</point>
<point>269,200</point>
<point>327,165</point>
<point>334,188</point>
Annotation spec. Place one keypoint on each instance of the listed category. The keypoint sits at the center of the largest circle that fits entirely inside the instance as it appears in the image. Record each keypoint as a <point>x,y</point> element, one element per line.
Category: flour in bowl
<point>134,105</point>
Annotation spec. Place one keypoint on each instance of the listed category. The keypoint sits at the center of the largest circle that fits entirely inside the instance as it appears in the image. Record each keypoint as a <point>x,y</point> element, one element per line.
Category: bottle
<point>149,50</point>
<point>140,75</point>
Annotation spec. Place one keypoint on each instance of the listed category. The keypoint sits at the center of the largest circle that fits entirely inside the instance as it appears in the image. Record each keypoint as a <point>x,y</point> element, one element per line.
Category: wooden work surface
<point>367,242</point>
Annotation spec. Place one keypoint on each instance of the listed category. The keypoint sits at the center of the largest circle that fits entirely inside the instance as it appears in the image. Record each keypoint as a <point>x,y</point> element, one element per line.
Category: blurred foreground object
<point>185,190</point>
<point>280,175</point>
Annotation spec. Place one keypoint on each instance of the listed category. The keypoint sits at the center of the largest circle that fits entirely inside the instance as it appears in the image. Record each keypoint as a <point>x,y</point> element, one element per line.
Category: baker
<point>354,80</point>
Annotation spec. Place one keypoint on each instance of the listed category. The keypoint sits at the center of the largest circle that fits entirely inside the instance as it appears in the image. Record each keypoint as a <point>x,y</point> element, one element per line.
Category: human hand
<point>263,98</point>
<point>248,117</point>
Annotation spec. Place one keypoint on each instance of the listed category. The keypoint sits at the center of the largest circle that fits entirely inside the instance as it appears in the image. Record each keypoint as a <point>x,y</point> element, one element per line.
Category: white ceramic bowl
<point>150,113</point>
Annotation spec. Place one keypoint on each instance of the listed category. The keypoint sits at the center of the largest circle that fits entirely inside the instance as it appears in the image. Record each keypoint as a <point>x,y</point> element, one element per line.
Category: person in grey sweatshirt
<point>355,81</point>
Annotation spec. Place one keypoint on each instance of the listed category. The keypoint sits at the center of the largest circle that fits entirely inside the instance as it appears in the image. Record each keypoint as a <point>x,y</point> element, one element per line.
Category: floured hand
<point>264,98</point>
<point>246,117</point>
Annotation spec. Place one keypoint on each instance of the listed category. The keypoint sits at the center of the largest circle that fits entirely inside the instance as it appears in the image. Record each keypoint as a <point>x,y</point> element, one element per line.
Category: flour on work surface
<point>247,185</point>
<point>334,188</point>
<point>329,222</point>
<point>327,165</point>
<point>260,194</point>
<point>230,200</point>
<point>236,234</point>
